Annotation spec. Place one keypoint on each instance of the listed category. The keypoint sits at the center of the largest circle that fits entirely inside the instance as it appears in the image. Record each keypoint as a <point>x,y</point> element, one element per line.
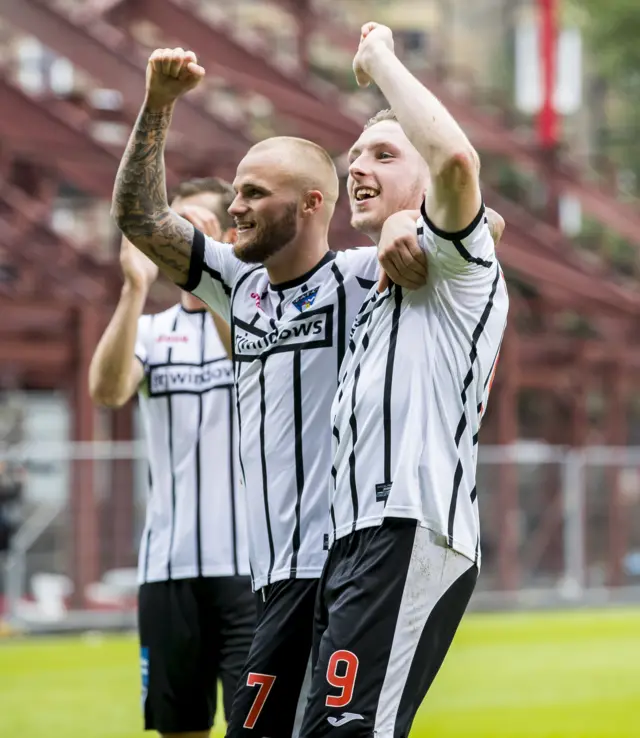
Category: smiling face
<point>286,189</point>
<point>386,175</point>
<point>265,209</point>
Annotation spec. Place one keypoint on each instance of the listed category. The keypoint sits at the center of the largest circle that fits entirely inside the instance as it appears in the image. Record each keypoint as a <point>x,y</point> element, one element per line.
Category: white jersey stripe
<point>236,364</point>
<point>171,463</point>
<point>353,424</point>
<point>462,424</point>
<point>299,460</point>
<point>232,485</point>
<point>388,383</point>
<point>197,460</point>
<point>342,315</point>
<point>263,459</point>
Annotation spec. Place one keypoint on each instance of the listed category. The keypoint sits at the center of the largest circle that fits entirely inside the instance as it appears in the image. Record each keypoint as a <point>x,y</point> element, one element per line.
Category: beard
<point>270,237</point>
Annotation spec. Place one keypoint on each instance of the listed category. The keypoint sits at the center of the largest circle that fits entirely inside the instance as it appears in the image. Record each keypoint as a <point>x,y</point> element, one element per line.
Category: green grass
<point>551,675</point>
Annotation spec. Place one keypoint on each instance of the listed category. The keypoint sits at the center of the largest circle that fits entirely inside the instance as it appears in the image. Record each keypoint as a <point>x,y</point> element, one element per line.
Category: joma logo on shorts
<point>311,329</point>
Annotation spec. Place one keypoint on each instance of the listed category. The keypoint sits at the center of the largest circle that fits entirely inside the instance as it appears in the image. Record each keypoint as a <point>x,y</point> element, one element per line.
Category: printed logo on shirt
<point>167,379</point>
<point>172,338</point>
<point>382,491</point>
<point>306,300</point>
<point>311,329</point>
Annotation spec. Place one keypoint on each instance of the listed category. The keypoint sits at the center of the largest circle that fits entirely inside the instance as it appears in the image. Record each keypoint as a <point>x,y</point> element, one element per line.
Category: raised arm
<point>140,205</point>
<point>115,373</point>
<point>453,199</point>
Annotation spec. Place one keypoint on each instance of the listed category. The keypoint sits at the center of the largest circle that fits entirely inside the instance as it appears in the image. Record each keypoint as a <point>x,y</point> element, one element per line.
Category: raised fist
<point>373,37</point>
<point>170,74</point>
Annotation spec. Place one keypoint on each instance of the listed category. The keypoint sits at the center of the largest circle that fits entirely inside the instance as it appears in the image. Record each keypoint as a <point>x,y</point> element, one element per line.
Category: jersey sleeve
<point>361,263</point>
<point>144,339</point>
<point>213,271</point>
<point>469,253</point>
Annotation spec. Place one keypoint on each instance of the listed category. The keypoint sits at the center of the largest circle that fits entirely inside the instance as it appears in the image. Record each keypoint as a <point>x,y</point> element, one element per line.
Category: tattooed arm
<point>140,206</point>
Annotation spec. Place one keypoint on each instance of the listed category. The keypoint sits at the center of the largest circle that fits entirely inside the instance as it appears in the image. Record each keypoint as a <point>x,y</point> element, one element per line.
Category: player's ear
<point>312,202</point>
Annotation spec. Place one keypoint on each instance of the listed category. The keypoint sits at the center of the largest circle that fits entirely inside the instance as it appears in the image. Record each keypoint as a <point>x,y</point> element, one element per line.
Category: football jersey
<point>413,389</point>
<point>289,341</point>
<point>195,520</point>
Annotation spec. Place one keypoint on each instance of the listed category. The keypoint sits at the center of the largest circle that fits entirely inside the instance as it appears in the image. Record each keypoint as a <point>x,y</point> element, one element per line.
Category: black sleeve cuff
<point>196,262</point>
<point>459,235</point>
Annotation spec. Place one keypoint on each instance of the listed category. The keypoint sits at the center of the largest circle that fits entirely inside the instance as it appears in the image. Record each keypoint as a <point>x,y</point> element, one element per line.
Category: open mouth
<point>244,227</point>
<point>362,194</point>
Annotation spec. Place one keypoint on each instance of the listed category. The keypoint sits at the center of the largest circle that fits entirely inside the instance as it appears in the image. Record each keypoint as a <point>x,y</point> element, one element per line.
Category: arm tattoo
<point>140,205</point>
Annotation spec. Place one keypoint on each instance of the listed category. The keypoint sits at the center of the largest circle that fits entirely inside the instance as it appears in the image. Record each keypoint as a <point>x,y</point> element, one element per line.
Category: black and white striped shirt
<point>196,520</point>
<point>289,341</point>
<point>413,388</point>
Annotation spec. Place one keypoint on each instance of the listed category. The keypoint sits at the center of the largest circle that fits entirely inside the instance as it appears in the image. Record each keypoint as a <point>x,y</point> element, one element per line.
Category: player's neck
<point>295,260</point>
<point>191,303</point>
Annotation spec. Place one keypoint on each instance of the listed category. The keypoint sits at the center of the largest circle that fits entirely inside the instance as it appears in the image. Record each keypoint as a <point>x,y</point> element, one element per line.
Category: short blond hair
<point>310,164</point>
<point>380,116</point>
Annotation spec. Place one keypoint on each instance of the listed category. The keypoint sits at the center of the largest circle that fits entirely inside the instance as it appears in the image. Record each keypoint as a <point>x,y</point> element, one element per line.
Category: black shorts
<point>273,689</point>
<point>391,598</point>
<point>192,633</point>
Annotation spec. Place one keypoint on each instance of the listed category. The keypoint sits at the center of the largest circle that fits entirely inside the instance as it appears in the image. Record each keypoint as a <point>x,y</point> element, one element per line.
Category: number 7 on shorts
<point>264,682</point>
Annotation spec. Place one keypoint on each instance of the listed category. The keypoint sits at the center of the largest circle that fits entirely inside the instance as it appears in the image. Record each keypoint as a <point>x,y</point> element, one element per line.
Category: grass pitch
<point>541,675</point>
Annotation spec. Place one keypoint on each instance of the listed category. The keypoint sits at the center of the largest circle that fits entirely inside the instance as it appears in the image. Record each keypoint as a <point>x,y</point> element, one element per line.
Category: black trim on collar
<point>192,312</point>
<point>329,256</point>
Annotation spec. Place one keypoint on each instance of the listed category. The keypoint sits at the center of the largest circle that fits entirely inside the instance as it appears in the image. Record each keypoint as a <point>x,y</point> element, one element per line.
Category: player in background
<point>196,609</point>
<point>290,301</point>
<point>412,391</point>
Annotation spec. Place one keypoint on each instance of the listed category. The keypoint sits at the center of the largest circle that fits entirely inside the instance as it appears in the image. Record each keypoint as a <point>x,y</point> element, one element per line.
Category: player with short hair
<point>412,391</point>
<point>196,612</point>
<point>290,301</point>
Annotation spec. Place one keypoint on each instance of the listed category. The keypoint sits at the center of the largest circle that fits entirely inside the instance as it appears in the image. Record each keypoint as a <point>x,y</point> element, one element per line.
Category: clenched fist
<point>170,74</point>
<point>373,37</point>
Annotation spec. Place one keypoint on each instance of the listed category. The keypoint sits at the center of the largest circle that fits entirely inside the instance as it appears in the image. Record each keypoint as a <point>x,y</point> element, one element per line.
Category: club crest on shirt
<point>306,300</point>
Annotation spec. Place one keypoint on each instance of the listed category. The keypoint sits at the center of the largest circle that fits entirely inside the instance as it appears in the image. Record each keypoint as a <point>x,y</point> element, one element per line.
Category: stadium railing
<point>560,527</point>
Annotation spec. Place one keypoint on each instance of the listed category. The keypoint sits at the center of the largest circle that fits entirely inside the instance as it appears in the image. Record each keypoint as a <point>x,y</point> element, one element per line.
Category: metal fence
<point>559,526</point>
